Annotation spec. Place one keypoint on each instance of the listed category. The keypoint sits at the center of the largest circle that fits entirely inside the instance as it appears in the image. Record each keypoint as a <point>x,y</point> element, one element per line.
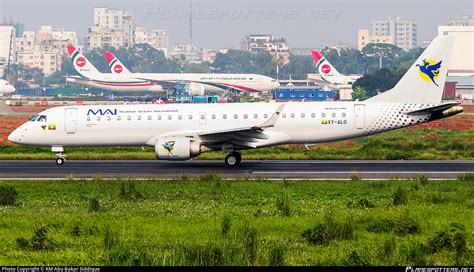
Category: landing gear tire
<point>60,161</point>
<point>233,159</point>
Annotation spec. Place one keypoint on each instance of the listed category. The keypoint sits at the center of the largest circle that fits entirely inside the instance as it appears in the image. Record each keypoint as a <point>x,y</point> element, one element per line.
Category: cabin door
<point>71,121</point>
<point>359,116</point>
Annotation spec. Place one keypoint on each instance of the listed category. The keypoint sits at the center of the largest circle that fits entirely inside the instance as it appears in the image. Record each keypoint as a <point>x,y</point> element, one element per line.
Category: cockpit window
<point>41,118</point>
<point>34,118</point>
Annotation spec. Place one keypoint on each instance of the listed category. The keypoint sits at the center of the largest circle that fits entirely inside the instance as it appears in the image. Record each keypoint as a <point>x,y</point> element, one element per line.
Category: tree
<point>298,67</point>
<point>380,81</point>
<point>238,61</point>
<point>386,55</point>
<point>359,93</point>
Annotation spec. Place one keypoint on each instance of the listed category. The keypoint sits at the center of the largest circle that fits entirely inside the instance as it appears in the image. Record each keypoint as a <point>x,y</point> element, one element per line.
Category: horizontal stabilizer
<point>430,110</point>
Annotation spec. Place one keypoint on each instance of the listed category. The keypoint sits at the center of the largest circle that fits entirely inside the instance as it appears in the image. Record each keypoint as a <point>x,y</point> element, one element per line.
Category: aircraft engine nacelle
<point>177,148</point>
<point>196,88</point>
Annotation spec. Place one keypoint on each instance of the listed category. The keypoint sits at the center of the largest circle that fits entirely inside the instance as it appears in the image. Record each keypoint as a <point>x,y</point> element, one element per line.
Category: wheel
<point>232,159</point>
<point>60,161</point>
<point>239,157</point>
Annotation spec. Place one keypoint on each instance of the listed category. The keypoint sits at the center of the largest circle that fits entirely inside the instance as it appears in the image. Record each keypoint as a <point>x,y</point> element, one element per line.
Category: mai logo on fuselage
<point>168,147</point>
<point>102,112</point>
<point>429,70</point>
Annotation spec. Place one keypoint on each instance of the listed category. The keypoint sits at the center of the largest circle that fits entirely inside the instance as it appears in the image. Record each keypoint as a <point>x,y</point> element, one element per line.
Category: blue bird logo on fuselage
<point>429,70</point>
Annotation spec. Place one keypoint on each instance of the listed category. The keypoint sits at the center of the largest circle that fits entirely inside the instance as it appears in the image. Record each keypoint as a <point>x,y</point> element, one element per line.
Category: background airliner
<point>329,73</point>
<point>182,131</point>
<point>6,87</point>
<point>197,83</point>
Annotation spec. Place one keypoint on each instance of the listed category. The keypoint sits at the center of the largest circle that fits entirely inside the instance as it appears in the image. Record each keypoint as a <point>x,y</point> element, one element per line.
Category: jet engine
<point>196,88</point>
<point>177,148</point>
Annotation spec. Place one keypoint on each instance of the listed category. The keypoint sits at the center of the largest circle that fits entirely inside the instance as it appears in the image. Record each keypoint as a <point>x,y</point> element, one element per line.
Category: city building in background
<point>118,21</point>
<point>7,46</point>
<point>157,39</point>
<point>186,53</point>
<point>44,49</point>
<point>462,58</point>
<point>278,48</point>
<point>365,38</point>
<point>461,64</point>
<point>402,33</point>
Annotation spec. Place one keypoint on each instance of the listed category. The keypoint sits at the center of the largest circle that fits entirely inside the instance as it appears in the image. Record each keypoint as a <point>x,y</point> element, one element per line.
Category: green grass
<point>209,221</point>
<point>394,145</point>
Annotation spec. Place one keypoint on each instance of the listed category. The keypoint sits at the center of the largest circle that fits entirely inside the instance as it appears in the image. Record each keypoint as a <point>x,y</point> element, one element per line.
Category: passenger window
<point>224,116</point>
<point>302,115</point>
<point>129,118</point>
<point>283,115</point>
<point>333,114</point>
<point>88,118</point>
<point>180,117</point>
<point>159,117</point>
<point>246,116</point>
<point>292,115</point>
<point>255,116</point>
<point>265,115</point>
<point>139,118</point>
<point>98,118</point>
<point>313,115</point>
<point>343,114</point>
<point>149,117</point>
<point>41,118</point>
<point>109,118</point>
<point>170,117</point>
<point>119,118</point>
<point>323,114</point>
<point>236,116</point>
<point>213,116</point>
<point>190,117</point>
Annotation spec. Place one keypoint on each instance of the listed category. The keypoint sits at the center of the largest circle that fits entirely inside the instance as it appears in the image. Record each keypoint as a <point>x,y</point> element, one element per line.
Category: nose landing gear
<point>58,150</point>
<point>233,159</point>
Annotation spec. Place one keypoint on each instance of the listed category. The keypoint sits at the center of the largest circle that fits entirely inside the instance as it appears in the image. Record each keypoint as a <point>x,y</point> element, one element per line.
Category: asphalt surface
<point>45,169</point>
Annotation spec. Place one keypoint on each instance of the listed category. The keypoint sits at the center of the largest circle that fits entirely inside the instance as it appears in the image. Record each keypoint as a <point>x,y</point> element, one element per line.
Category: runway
<point>42,169</point>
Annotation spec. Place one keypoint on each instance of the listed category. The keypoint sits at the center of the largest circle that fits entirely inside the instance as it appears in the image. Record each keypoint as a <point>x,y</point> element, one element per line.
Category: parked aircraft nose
<point>15,136</point>
<point>10,89</point>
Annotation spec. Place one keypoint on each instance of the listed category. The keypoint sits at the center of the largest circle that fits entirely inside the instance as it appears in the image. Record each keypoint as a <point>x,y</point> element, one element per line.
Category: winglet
<point>273,119</point>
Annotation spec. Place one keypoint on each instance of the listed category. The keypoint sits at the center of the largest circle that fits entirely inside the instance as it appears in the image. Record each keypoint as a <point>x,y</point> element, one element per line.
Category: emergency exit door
<point>359,116</point>
<point>71,121</point>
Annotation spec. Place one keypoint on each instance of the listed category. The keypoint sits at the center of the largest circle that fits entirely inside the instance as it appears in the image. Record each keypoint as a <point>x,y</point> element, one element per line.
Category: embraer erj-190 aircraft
<point>329,73</point>
<point>123,80</point>
<point>5,87</point>
<point>182,131</point>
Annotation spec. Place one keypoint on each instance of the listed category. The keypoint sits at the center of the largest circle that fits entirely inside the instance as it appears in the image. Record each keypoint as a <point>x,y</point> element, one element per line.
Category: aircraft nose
<point>15,136</point>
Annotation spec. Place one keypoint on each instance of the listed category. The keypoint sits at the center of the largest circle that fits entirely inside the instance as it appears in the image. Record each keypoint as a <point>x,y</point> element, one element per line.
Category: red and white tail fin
<point>116,67</point>
<point>82,65</point>
<point>325,69</point>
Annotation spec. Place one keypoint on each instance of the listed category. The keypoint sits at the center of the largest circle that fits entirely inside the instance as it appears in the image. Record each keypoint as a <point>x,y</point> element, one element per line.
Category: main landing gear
<point>233,159</point>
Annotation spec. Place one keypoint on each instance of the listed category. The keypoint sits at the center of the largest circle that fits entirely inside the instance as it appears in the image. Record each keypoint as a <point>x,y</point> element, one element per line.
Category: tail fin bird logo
<point>168,147</point>
<point>429,70</point>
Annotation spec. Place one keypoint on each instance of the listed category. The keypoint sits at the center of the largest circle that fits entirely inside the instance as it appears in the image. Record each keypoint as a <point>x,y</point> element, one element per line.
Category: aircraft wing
<point>242,136</point>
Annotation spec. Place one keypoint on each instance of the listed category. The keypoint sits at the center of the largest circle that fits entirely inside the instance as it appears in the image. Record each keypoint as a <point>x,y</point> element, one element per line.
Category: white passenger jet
<point>183,131</point>
<point>329,73</point>
<point>121,79</point>
<point>5,87</point>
